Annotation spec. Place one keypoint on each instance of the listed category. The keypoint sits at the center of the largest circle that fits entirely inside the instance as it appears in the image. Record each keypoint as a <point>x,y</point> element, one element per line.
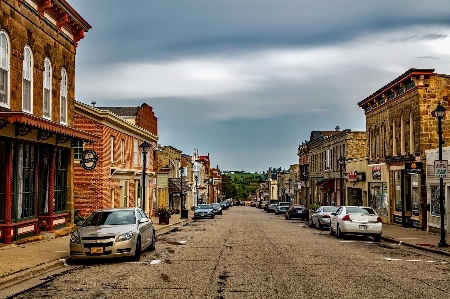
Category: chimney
<point>337,128</point>
<point>93,103</point>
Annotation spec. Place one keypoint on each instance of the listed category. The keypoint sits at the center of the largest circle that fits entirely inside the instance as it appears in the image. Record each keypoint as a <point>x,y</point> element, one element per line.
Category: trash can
<point>184,214</point>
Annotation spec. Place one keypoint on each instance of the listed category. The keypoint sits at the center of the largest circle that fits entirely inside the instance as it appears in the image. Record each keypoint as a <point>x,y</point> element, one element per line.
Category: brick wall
<point>146,119</point>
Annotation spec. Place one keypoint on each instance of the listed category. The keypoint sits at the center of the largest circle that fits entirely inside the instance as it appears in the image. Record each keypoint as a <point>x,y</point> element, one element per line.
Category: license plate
<point>363,227</point>
<point>96,250</point>
<point>203,214</point>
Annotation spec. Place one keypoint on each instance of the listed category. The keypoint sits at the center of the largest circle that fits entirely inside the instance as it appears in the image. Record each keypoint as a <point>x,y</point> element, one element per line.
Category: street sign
<point>440,168</point>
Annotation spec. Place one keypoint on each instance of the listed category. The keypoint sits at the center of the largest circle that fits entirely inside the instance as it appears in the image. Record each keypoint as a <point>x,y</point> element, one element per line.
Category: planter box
<point>163,220</point>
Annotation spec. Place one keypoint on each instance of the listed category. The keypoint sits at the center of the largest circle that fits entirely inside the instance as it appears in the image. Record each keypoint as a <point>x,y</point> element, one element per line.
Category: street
<point>248,253</point>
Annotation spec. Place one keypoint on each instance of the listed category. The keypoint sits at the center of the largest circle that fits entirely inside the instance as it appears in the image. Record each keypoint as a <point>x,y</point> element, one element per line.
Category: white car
<point>356,220</point>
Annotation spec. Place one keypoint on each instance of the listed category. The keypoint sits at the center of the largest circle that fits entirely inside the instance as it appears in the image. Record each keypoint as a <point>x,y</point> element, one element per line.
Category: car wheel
<point>331,231</point>
<point>340,234</point>
<point>289,217</point>
<point>311,224</point>
<point>152,246</point>
<point>276,213</point>
<point>212,216</point>
<point>137,251</point>
<point>377,238</point>
<point>319,225</point>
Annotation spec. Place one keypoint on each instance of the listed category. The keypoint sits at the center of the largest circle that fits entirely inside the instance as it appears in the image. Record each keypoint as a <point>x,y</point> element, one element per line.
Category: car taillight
<point>290,211</point>
<point>346,218</point>
<point>326,216</point>
<point>378,219</point>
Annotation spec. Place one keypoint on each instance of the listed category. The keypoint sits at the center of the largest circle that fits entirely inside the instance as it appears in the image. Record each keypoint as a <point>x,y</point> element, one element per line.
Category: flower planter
<point>163,220</point>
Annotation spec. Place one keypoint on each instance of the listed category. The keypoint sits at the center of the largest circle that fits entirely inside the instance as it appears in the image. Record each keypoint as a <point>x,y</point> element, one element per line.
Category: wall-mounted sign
<point>355,176</point>
<point>89,159</point>
<point>440,168</point>
<point>414,168</point>
<point>376,173</point>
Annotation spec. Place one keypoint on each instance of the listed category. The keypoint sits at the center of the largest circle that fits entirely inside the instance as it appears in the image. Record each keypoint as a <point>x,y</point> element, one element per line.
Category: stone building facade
<point>116,181</point>
<point>38,41</point>
<point>400,128</point>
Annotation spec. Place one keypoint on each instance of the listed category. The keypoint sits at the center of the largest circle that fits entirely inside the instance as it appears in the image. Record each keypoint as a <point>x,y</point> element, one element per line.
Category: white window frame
<point>76,150</point>
<point>135,152</point>
<point>27,79</point>
<point>5,67</point>
<point>47,89</point>
<point>122,151</point>
<point>63,98</point>
<point>111,146</point>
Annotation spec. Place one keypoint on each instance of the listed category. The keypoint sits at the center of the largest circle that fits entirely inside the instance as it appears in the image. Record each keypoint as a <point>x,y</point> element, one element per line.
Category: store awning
<point>25,123</point>
<point>174,186</point>
<point>326,183</point>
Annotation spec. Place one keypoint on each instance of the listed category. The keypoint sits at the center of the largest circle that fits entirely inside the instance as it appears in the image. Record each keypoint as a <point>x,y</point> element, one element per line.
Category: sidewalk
<point>21,261</point>
<point>38,254</point>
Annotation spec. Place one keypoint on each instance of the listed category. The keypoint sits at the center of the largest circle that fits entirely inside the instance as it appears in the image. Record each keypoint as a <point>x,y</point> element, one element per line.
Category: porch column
<point>9,231</point>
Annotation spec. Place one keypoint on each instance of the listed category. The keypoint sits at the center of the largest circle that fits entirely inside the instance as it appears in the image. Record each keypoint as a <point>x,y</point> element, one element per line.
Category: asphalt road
<point>248,253</point>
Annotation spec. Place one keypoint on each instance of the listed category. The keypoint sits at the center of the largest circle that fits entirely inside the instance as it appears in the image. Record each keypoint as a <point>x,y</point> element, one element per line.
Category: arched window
<point>63,97</point>
<point>4,70</point>
<point>27,81</point>
<point>47,108</point>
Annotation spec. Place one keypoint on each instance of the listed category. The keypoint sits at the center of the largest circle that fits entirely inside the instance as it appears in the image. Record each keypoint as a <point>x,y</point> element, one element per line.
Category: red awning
<point>326,183</point>
<point>37,123</point>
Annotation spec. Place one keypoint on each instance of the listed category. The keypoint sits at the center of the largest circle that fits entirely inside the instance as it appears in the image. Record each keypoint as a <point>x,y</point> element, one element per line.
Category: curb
<point>28,273</point>
<point>434,250</point>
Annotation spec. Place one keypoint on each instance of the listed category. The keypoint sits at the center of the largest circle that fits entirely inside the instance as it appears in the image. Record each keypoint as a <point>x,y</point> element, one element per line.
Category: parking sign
<point>440,168</point>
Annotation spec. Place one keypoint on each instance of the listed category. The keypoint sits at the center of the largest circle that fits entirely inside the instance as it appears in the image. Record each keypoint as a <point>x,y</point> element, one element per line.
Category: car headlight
<point>125,237</point>
<point>74,238</point>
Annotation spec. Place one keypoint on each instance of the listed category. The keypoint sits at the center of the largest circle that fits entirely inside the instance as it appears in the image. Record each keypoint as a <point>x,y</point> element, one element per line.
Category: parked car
<point>297,211</point>
<point>224,205</point>
<point>217,207</point>
<point>109,233</point>
<point>272,205</point>
<point>204,211</point>
<point>263,204</point>
<point>254,203</point>
<point>322,216</point>
<point>282,207</point>
<point>356,220</point>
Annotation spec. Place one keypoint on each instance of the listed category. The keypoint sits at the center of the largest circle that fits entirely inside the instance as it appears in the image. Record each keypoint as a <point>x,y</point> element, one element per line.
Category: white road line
<point>391,259</point>
<point>154,262</point>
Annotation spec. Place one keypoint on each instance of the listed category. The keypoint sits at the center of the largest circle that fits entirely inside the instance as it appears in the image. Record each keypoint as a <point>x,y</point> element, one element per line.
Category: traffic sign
<point>440,168</point>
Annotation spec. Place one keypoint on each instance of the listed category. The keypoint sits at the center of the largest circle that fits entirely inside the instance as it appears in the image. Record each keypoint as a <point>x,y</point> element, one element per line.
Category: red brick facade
<point>146,119</point>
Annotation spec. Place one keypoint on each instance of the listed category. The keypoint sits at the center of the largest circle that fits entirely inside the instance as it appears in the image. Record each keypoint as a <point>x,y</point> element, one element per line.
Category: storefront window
<point>44,180</point>
<point>60,181</point>
<point>435,203</point>
<point>415,194</point>
<point>378,199</point>
<point>398,191</point>
<point>25,181</point>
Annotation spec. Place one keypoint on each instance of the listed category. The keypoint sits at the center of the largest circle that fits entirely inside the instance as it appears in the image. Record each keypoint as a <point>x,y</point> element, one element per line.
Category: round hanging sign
<point>89,159</point>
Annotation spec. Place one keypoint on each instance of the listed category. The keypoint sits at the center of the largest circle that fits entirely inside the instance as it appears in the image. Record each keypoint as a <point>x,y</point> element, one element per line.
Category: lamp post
<point>307,198</point>
<point>290,180</point>
<point>181,191</point>
<point>145,146</point>
<point>341,161</point>
<point>211,183</point>
<point>439,113</point>
<point>196,188</point>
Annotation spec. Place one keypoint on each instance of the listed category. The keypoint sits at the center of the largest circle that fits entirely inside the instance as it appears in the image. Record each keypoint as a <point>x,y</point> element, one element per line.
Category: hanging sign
<point>414,168</point>
<point>89,159</point>
<point>376,173</point>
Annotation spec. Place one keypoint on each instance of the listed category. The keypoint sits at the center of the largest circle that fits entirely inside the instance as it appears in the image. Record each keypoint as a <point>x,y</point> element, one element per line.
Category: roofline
<point>397,80</point>
<point>72,12</point>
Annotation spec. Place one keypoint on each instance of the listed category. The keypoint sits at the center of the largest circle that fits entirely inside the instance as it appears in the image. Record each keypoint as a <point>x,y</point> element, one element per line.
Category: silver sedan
<point>113,233</point>
<point>322,216</point>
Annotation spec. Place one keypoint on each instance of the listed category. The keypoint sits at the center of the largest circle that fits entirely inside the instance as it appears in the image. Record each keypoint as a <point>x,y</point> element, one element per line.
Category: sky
<point>246,81</point>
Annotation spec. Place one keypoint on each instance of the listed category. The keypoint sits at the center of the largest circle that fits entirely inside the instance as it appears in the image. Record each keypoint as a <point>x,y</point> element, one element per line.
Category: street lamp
<point>181,192</point>
<point>439,113</point>
<point>290,180</point>
<point>341,161</point>
<point>145,146</point>
<point>196,188</point>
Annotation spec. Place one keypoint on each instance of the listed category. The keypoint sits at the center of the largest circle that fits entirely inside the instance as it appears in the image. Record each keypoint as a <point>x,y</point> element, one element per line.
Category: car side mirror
<point>143,220</point>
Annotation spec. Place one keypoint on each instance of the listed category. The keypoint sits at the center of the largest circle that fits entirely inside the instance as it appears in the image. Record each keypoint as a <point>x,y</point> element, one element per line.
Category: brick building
<point>116,181</point>
<point>400,128</point>
<point>38,41</point>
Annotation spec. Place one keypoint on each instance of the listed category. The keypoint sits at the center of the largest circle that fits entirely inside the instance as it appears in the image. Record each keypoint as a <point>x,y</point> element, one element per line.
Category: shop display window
<point>378,199</point>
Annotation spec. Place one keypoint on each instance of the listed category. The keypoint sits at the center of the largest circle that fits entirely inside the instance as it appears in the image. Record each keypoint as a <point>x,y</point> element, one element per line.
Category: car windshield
<point>110,218</point>
<point>273,201</point>
<point>216,205</point>
<point>358,210</point>
<point>299,207</point>
<point>330,209</point>
<point>284,204</point>
<point>205,207</point>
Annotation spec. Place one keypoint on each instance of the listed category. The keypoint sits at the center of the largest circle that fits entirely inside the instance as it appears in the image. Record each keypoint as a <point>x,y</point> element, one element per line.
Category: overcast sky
<point>247,81</point>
